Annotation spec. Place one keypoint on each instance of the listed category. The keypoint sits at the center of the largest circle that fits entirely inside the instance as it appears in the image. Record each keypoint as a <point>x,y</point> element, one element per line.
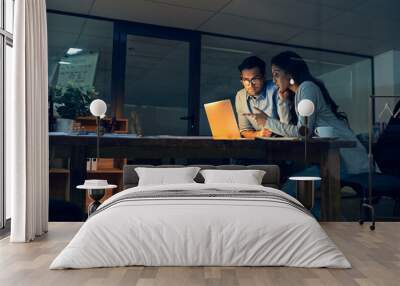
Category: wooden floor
<point>375,257</point>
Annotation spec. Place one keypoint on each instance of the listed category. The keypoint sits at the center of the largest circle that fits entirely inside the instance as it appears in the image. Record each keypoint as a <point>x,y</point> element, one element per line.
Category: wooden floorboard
<point>374,255</point>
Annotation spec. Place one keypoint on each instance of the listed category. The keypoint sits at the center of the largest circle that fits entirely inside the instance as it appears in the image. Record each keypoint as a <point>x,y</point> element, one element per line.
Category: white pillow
<point>248,177</point>
<point>166,176</point>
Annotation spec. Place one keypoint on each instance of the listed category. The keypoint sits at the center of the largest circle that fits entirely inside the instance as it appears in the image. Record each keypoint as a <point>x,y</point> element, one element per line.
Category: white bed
<point>185,230</point>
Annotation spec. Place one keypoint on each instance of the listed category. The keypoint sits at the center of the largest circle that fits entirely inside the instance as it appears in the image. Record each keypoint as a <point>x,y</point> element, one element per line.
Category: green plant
<point>72,101</point>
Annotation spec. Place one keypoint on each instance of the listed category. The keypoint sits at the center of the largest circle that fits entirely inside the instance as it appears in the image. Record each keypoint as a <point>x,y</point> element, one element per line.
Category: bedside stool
<point>96,189</point>
<point>305,190</point>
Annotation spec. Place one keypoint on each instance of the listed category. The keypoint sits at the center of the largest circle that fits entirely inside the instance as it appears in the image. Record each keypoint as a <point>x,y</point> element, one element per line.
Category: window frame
<point>6,39</point>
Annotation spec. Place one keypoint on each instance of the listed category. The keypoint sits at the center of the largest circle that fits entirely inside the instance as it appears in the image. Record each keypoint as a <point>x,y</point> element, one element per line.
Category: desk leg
<point>330,185</point>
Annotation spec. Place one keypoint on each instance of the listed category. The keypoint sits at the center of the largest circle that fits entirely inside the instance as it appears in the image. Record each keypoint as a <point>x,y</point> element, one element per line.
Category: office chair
<point>386,154</point>
<point>383,185</point>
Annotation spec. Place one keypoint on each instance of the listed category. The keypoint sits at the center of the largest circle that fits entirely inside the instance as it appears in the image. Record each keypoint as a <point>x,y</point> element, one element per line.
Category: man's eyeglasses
<point>254,81</point>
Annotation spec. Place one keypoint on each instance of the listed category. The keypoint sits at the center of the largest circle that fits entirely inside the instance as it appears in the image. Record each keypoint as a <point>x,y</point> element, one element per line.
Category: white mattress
<point>200,231</point>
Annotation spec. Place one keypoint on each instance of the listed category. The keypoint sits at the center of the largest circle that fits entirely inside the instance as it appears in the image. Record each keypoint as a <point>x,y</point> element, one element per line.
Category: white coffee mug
<point>324,131</point>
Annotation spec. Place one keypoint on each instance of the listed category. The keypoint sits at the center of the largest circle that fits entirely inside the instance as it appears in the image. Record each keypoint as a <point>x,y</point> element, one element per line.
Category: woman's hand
<point>260,116</point>
<point>283,94</point>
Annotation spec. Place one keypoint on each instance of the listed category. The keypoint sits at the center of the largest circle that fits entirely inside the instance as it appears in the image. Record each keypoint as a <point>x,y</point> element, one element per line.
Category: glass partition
<point>80,63</point>
<point>348,78</point>
<point>156,73</point>
<point>156,85</point>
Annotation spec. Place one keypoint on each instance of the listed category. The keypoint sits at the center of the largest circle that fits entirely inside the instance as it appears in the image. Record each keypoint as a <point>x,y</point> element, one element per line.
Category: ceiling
<point>153,58</point>
<point>360,26</point>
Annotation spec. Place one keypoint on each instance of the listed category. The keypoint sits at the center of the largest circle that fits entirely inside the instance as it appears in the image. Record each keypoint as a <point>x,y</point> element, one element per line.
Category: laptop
<point>222,120</point>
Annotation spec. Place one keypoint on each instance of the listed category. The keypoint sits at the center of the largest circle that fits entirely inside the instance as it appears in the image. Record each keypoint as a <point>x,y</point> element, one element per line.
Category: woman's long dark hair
<point>294,65</point>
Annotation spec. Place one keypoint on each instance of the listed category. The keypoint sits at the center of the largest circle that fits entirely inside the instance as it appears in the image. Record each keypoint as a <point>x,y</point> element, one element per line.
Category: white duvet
<point>200,231</point>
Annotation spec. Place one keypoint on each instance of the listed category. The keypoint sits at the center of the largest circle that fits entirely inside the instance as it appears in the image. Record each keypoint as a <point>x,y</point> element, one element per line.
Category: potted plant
<point>71,102</point>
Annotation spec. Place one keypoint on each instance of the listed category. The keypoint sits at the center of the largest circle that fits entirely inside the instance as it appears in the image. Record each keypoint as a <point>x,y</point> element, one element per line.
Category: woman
<point>290,73</point>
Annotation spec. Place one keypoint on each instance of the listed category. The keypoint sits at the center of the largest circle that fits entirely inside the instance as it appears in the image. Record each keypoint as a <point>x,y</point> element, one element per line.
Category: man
<point>258,94</point>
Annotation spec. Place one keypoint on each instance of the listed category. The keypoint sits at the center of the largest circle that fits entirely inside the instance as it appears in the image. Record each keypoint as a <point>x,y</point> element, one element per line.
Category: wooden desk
<point>323,152</point>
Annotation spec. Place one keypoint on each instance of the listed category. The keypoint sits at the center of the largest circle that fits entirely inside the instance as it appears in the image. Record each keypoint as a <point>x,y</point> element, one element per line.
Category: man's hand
<point>264,133</point>
<point>253,134</point>
<point>260,116</point>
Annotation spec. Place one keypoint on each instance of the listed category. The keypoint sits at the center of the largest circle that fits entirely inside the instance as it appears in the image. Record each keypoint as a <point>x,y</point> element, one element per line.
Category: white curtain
<point>27,124</point>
